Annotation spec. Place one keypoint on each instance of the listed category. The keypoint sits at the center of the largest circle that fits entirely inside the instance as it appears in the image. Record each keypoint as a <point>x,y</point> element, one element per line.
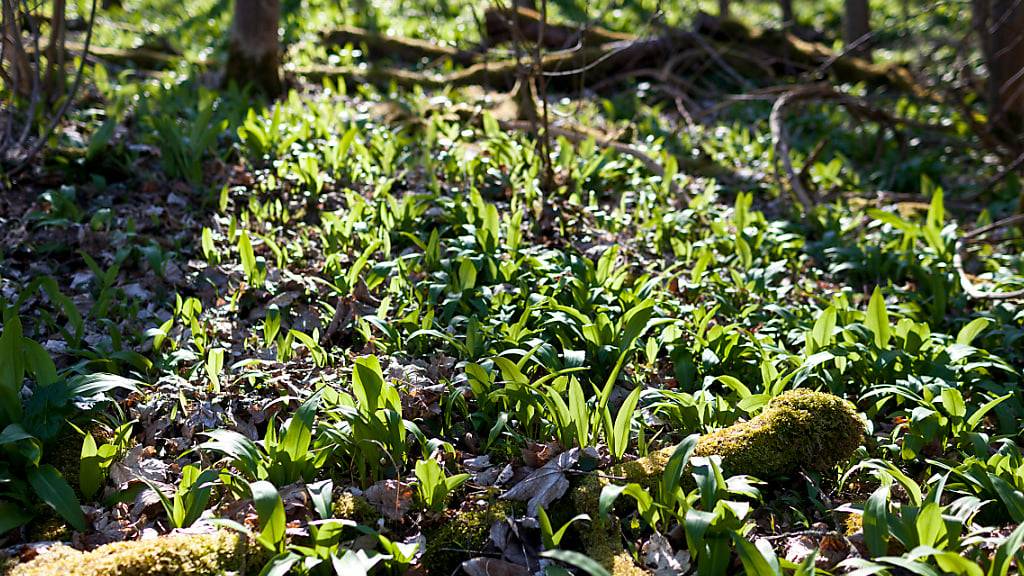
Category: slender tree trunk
<point>1000,27</point>
<point>723,8</point>
<point>857,28</point>
<point>788,18</point>
<point>254,52</point>
<point>54,83</point>
<point>18,74</point>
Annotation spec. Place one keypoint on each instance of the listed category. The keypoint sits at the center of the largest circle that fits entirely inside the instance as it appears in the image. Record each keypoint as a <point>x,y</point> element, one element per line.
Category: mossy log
<point>178,555</point>
<point>799,430</point>
<point>385,46</point>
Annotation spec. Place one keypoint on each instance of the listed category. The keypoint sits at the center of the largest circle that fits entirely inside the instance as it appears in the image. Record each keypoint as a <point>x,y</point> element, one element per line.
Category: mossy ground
<point>211,554</point>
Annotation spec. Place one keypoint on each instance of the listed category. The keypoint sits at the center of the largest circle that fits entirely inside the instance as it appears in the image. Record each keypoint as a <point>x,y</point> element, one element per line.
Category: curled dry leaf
<point>546,484</point>
<point>391,498</point>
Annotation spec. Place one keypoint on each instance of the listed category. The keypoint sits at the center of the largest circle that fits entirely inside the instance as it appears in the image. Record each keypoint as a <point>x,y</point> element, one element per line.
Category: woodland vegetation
<point>435,287</point>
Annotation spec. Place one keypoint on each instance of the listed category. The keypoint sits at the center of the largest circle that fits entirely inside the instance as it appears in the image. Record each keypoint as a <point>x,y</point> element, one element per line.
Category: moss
<point>464,536</point>
<point>355,508</point>
<point>181,555</point>
<point>799,430</point>
<point>48,527</point>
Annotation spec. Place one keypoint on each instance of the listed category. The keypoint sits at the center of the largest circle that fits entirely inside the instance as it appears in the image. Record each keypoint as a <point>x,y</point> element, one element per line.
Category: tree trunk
<point>857,28</point>
<point>254,51</point>
<point>18,75</point>
<point>1000,26</point>
<point>54,84</point>
<point>723,8</point>
<point>788,18</point>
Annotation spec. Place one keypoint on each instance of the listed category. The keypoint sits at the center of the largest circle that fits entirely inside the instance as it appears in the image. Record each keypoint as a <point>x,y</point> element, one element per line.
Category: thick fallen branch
<point>142,57</point>
<point>384,46</point>
<point>523,24</point>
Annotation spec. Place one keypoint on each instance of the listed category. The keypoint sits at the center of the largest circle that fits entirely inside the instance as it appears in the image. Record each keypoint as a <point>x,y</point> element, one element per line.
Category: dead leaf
<point>138,464</point>
<point>546,484</point>
<point>660,557</point>
<point>391,498</point>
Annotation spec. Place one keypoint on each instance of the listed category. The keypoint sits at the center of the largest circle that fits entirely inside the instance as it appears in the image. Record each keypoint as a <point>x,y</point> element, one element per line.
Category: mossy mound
<point>464,536</point>
<point>799,430</point>
<point>355,508</point>
<point>180,555</point>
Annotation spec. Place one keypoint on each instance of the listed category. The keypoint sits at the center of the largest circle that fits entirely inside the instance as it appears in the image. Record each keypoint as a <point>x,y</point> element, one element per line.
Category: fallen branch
<point>384,46</point>
<point>974,237</point>
<point>513,24</point>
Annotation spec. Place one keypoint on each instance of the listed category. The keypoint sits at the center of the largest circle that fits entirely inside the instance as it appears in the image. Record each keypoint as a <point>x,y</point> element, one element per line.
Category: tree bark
<point>723,8</point>
<point>18,76</point>
<point>254,51</point>
<point>788,18</point>
<point>1000,27</point>
<point>857,28</point>
<point>55,81</point>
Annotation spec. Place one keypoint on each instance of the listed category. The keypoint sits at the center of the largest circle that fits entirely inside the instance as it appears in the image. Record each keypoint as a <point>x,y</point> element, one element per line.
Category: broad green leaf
<point>367,383</point>
<point>755,561</point>
<point>971,331</point>
<point>581,561</point>
<point>878,319</point>
<point>55,491</point>
<point>623,420</point>
<point>270,511</point>
<point>876,520</point>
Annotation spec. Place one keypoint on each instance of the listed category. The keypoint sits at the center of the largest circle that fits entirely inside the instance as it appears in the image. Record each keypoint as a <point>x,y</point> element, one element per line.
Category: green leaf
<point>1012,498</point>
<point>90,470</point>
<point>248,257</point>
<point>12,371</point>
<point>1010,548</point>
<point>821,334</point>
<point>673,474</point>
<point>12,516</point>
<point>299,434</point>
<point>876,521</point>
<point>953,402</point>
<point>623,421</point>
<point>971,331</point>
<point>467,275</point>
<point>878,319</point>
<point>756,562</point>
<point>56,492</point>
<point>581,561</point>
<point>367,383</point>
<point>270,511</point>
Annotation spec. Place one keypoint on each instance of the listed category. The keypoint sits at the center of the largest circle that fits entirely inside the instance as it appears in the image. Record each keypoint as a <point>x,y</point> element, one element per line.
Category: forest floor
<point>379,304</point>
